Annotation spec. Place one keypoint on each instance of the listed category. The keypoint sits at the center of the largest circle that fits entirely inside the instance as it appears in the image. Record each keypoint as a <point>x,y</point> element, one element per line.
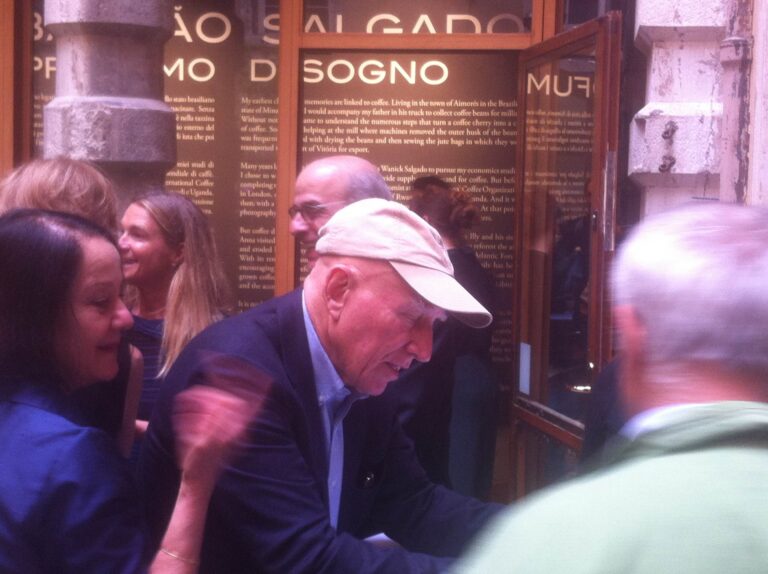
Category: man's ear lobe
<point>338,284</point>
<point>633,336</point>
<point>632,332</point>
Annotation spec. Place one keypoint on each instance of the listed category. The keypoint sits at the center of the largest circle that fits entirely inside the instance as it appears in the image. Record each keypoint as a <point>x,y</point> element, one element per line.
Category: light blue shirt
<point>334,399</point>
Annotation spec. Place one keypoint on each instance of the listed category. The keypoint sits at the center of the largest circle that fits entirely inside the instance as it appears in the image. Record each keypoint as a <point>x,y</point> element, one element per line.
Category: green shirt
<point>689,497</point>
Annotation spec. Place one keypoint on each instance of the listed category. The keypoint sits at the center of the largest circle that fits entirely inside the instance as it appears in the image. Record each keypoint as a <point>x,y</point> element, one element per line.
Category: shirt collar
<point>650,420</point>
<point>45,395</point>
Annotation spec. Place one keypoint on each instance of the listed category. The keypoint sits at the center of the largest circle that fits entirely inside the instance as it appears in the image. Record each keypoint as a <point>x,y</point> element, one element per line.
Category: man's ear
<point>338,284</point>
<point>631,328</point>
<point>634,339</point>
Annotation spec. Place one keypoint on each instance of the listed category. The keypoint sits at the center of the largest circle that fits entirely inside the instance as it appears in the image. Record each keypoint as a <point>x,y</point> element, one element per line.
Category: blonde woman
<point>176,285</point>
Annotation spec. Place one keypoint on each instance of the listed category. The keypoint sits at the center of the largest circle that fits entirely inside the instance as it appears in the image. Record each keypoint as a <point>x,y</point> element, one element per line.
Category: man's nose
<point>421,340</point>
<point>297,225</point>
<point>123,320</point>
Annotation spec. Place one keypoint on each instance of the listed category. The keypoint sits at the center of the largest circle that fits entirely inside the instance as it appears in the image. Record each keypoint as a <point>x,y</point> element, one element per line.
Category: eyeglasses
<point>311,211</point>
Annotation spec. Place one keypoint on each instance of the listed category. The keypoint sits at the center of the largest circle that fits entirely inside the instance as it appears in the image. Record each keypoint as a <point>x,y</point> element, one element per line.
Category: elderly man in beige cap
<point>327,464</point>
<point>323,187</point>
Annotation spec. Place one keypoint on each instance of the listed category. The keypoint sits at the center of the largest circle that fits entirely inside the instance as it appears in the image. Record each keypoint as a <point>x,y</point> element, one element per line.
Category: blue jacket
<point>269,512</point>
<point>67,500</point>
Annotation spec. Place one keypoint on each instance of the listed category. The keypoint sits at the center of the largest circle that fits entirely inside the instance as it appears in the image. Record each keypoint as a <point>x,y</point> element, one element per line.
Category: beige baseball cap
<point>387,230</point>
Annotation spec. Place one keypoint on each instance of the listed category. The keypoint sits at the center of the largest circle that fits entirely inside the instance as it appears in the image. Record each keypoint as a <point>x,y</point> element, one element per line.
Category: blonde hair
<point>199,292</point>
<point>61,184</point>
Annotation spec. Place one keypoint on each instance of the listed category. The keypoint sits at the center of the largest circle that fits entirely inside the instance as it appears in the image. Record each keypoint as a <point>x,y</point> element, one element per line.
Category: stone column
<point>736,61</point>
<point>109,105</point>
<point>675,138</point>
<point>757,192</point>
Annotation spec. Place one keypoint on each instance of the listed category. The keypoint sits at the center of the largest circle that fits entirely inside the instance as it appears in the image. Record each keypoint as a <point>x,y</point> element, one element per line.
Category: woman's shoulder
<point>41,417</point>
<point>45,440</point>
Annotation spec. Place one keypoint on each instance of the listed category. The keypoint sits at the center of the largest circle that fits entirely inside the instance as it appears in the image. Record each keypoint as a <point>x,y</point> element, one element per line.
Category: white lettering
<point>47,65</point>
<point>537,85</point>
<point>432,72</point>
<point>309,69</point>
<point>389,17</point>
<point>213,16</point>
<point>451,18</point>
<point>562,85</point>
<point>424,19</point>
<point>434,64</point>
<point>192,69</point>
<point>272,23</point>
<point>345,64</point>
<point>181,27</point>
<point>271,70</point>
<point>374,76</point>
<point>520,25</point>
<point>395,66</point>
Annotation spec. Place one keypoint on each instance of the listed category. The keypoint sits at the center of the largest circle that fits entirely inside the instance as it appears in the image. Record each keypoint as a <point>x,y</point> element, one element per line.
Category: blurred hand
<point>208,422</point>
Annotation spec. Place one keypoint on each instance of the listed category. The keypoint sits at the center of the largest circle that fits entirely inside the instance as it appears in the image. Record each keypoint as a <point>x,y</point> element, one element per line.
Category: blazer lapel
<point>298,367</point>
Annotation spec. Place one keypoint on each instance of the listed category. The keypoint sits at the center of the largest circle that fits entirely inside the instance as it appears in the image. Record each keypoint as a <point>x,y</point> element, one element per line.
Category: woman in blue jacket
<point>67,500</point>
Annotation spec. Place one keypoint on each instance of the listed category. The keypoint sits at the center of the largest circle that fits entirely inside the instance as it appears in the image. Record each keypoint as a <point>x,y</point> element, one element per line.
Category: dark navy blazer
<point>269,512</point>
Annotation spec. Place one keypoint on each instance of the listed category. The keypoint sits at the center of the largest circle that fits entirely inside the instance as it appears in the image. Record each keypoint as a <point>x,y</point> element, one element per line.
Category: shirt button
<point>368,479</point>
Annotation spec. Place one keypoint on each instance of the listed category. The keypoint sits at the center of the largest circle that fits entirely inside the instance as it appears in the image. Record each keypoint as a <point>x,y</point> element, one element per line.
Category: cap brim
<point>442,290</point>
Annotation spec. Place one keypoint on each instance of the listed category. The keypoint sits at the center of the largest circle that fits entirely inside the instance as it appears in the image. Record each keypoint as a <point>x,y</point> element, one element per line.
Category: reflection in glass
<point>407,17</point>
<point>558,131</point>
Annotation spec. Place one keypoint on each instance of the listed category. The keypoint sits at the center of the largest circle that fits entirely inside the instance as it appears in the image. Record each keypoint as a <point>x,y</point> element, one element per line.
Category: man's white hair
<point>697,277</point>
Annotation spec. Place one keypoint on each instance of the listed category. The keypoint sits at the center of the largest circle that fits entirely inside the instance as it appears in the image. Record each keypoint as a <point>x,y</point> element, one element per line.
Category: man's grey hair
<point>697,277</point>
<point>365,184</point>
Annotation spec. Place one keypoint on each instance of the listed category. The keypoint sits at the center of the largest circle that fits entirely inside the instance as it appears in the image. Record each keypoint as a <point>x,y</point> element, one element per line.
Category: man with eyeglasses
<point>325,186</point>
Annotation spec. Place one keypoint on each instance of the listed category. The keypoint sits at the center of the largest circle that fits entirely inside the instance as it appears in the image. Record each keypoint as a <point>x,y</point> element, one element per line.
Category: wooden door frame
<point>15,83</point>
<point>604,34</point>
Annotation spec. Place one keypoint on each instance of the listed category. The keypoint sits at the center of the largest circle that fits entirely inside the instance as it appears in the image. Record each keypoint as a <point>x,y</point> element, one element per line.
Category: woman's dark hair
<point>449,211</point>
<point>40,256</point>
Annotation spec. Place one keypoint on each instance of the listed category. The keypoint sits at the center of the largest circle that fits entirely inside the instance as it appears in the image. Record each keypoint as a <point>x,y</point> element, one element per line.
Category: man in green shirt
<point>683,489</point>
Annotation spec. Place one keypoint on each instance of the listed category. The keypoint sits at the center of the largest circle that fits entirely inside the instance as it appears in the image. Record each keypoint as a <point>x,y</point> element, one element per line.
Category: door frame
<point>530,414</point>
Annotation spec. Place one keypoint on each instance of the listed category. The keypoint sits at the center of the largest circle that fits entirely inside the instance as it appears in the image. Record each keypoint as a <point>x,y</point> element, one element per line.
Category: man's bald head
<point>326,185</point>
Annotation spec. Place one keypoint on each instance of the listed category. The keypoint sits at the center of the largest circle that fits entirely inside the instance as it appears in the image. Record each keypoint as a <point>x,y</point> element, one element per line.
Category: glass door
<point>566,179</point>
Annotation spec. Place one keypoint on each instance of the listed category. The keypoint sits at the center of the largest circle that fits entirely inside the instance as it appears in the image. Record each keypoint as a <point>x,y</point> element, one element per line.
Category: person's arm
<point>270,510</point>
<point>207,422</point>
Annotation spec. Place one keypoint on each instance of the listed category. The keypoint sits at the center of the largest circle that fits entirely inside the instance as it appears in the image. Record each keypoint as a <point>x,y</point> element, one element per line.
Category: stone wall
<point>675,141</point>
